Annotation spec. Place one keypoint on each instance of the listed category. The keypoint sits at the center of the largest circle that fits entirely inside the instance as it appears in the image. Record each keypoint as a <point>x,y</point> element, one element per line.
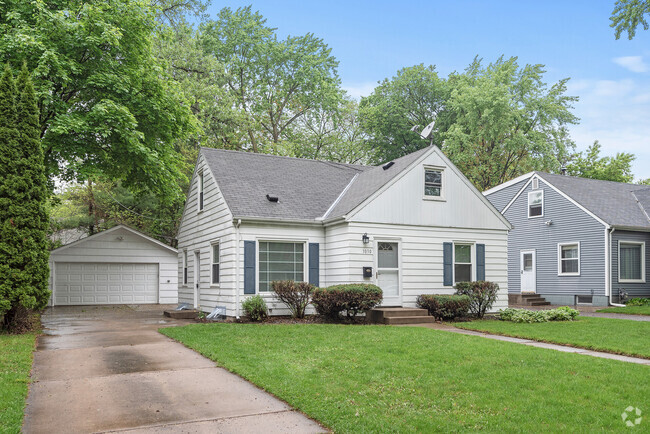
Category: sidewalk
<point>531,343</point>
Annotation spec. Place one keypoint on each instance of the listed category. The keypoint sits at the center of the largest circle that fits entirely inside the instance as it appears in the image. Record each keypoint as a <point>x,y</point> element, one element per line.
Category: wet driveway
<point>100,369</point>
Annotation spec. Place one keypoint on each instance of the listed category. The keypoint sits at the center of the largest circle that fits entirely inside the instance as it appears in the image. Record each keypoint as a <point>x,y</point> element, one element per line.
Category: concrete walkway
<point>531,343</point>
<point>103,369</point>
<point>616,316</point>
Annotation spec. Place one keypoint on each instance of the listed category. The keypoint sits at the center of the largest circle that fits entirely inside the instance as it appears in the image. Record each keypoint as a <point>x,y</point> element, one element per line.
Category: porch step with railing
<point>534,300</point>
<point>399,315</point>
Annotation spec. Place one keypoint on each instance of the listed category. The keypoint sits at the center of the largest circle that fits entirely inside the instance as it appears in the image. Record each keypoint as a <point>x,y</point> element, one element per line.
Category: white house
<point>116,266</point>
<point>412,226</point>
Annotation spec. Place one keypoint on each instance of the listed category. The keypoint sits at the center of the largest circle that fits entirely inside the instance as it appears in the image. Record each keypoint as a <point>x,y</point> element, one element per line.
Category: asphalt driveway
<point>103,369</point>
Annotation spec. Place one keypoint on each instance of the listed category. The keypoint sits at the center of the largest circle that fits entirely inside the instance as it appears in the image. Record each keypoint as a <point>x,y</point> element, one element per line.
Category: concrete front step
<point>400,320</point>
<point>540,303</point>
<point>400,311</point>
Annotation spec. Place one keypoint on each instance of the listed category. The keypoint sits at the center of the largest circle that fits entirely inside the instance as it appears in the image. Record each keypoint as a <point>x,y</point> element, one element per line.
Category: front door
<point>527,269</point>
<point>197,276</point>
<point>388,278</point>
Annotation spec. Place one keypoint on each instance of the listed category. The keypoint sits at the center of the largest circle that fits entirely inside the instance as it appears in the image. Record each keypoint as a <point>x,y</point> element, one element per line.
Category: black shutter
<point>480,262</point>
<point>249,267</point>
<point>314,260</point>
<point>447,264</point>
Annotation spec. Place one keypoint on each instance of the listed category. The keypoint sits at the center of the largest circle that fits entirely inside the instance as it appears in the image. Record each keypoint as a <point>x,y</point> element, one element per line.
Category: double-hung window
<point>631,263</point>
<point>536,203</point>
<point>432,182</point>
<point>462,263</point>
<point>215,263</point>
<point>280,261</point>
<point>184,267</point>
<point>200,191</point>
<point>568,259</point>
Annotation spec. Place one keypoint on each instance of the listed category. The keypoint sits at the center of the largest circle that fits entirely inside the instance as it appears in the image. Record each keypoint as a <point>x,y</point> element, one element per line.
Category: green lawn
<point>408,379</point>
<point>618,336</point>
<point>15,365</point>
<point>630,310</point>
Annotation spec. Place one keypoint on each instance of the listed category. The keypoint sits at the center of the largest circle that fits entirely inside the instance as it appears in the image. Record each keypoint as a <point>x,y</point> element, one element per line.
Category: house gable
<point>402,201</point>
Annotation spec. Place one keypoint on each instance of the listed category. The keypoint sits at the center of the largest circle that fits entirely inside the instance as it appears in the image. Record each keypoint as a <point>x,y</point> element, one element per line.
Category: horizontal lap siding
<point>569,224</point>
<point>502,197</point>
<point>198,231</point>
<point>632,289</point>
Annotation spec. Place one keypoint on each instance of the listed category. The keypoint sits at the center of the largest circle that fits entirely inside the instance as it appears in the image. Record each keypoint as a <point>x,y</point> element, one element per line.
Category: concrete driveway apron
<point>101,369</point>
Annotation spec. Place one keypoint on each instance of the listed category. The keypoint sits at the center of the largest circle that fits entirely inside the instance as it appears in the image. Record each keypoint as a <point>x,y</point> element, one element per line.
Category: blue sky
<point>372,40</point>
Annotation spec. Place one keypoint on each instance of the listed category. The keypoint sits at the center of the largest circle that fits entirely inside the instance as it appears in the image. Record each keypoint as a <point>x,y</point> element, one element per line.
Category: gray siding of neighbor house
<point>633,289</point>
<point>569,224</point>
<point>503,197</point>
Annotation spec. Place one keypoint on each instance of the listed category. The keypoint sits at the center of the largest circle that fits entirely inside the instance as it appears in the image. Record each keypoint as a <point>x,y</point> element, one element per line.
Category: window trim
<point>443,183</point>
<point>529,194</point>
<point>184,271</point>
<point>559,258</point>
<point>472,258</point>
<point>214,284</point>
<point>638,243</point>
<point>200,196</point>
<point>305,260</point>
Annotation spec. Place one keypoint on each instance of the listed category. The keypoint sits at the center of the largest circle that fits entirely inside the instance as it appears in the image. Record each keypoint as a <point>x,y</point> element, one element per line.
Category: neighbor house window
<point>462,263</point>
<point>433,182</point>
<point>536,203</point>
<point>280,261</point>
<point>201,191</point>
<point>631,261</point>
<point>184,267</point>
<point>215,263</point>
<point>569,259</point>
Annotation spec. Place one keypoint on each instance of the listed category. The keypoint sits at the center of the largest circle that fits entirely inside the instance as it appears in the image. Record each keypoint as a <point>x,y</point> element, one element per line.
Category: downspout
<point>609,267</point>
<point>237,249</point>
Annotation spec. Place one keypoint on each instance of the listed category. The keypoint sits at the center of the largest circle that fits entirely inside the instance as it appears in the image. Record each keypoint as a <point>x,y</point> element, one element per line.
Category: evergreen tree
<point>23,191</point>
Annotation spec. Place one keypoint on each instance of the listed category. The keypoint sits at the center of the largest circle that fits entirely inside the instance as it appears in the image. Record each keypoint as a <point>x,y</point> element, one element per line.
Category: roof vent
<point>563,170</point>
<point>387,165</point>
<point>272,198</point>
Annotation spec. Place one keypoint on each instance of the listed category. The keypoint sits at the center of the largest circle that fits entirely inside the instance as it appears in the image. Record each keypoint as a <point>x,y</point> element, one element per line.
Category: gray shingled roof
<point>306,188</point>
<point>614,202</point>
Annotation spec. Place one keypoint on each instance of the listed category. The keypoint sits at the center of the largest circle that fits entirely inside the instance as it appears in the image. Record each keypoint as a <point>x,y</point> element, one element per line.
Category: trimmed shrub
<point>351,298</point>
<point>482,295</point>
<point>444,307</point>
<point>638,302</point>
<point>255,308</point>
<point>563,313</point>
<point>295,295</point>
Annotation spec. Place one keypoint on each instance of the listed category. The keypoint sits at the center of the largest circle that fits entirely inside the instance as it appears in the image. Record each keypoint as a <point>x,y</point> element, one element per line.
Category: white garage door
<point>90,283</point>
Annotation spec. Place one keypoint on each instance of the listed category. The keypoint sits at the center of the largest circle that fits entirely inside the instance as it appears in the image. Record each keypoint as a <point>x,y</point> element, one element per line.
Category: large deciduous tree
<point>106,106</point>
<point>590,164</point>
<point>399,108</point>
<point>628,15</point>
<point>23,193</point>
<point>274,82</point>
<point>506,121</point>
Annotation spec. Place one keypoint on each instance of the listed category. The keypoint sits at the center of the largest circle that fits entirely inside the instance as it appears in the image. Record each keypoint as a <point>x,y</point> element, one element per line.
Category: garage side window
<point>184,267</point>
<point>215,263</point>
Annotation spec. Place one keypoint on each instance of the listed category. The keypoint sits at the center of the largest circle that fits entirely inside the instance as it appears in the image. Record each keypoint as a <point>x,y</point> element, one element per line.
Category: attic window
<point>432,182</point>
<point>536,203</point>
<point>271,198</point>
<point>200,201</point>
<point>388,165</point>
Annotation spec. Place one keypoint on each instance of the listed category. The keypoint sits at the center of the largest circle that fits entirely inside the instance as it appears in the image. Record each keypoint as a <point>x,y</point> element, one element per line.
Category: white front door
<point>197,276</point>
<point>388,275</point>
<point>527,269</point>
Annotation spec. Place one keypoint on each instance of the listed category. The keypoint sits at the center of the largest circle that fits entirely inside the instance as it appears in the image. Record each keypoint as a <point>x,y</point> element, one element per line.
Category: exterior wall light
<point>365,238</point>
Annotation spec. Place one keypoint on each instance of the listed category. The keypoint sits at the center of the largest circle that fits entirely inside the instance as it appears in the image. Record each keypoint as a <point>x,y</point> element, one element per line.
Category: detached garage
<point>117,266</point>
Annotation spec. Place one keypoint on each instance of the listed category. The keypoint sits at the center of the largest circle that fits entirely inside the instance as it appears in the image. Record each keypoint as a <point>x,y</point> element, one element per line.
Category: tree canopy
<point>628,15</point>
<point>590,164</point>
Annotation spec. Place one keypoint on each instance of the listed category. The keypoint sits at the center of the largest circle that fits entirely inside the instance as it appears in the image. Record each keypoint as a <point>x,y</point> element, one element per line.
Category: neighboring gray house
<point>412,226</point>
<point>575,240</point>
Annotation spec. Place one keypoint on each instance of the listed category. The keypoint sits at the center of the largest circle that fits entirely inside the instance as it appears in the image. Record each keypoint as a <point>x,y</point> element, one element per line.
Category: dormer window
<point>432,182</point>
<point>536,203</point>
<point>200,191</point>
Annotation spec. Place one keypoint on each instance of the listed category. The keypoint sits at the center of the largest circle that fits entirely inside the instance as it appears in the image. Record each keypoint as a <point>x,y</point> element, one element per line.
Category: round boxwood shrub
<point>350,298</point>
<point>444,307</point>
<point>255,308</point>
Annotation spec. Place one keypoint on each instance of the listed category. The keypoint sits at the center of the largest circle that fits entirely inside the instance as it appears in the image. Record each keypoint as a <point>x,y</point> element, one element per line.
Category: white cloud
<point>615,113</point>
<point>633,63</point>
<point>360,89</point>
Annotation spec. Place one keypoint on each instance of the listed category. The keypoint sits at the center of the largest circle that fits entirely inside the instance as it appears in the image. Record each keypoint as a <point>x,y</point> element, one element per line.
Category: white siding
<point>403,202</point>
<point>197,232</point>
<point>122,246</point>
